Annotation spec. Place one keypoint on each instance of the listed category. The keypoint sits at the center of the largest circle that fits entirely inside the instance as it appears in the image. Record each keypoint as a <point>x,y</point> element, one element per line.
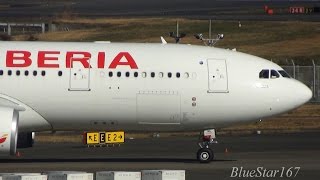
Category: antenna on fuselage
<point>209,41</point>
<point>163,41</point>
<point>177,36</point>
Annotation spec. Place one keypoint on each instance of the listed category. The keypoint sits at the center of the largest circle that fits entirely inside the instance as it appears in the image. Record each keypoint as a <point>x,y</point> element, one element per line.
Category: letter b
<point>23,58</point>
<point>234,172</point>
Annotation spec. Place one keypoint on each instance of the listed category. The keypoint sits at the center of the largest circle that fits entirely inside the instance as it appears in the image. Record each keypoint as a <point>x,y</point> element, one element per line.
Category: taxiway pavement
<point>271,152</point>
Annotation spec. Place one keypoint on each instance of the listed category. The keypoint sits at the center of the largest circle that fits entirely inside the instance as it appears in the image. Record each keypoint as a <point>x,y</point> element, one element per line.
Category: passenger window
<point>284,74</point>
<point>274,74</point>
<point>18,73</point>
<point>110,73</point>
<point>186,75</point>
<point>264,74</point>
<point>26,73</point>
<point>43,73</point>
<point>178,75</point>
<point>152,74</point>
<point>119,74</point>
<point>169,75</point>
<point>35,73</point>
<point>161,74</point>
<point>144,74</point>
<point>60,73</point>
<point>127,74</point>
<point>1,72</point>
<point>135,74</point>
<point>9,72</point>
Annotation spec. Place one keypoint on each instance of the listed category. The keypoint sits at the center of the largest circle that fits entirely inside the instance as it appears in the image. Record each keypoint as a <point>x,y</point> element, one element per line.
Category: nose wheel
<point>205,154</point>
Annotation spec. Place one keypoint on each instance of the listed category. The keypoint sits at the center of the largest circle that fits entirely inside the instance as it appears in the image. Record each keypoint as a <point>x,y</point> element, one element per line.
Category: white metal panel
<point>217,75</point>
<point>71,176</point>
<point>79,77</point>
<point>163,175</point>
<point>118,175</point>
<point>158,108</point>
<point>210,132</point>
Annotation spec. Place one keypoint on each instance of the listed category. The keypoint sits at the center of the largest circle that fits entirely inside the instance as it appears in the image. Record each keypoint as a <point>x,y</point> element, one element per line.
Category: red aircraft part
<point>3,138</point>
<point>50,59</point>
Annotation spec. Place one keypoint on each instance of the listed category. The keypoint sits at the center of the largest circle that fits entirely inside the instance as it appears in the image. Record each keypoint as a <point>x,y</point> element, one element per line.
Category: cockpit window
<point>284,74</point>
<point>274,74</point>
<point>264,74</point>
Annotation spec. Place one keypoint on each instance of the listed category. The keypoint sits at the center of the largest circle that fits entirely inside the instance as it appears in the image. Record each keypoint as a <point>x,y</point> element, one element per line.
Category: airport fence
<point>309,75</point>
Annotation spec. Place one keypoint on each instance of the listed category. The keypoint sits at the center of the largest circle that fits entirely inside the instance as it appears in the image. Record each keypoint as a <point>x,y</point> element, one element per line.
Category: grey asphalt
<point>271,152</point>
<point>204,9</point>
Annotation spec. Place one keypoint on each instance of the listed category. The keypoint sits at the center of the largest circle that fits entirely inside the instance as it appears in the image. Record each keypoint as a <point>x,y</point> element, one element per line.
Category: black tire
<point>205,155</point>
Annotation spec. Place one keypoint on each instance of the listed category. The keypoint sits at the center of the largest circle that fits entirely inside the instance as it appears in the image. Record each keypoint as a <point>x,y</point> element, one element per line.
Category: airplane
<point>72,86</point>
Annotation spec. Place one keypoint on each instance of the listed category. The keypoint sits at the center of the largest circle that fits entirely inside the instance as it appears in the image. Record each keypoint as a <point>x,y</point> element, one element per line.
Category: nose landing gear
<point>207,137</point>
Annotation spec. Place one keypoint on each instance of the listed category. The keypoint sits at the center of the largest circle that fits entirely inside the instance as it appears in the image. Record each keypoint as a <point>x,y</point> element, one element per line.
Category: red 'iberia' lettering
<point>51,59</point>
<point>70,58</point>
<point>117,61</point>
<point>43,58</point>
<point>101,59</point>
<point>18,59</point>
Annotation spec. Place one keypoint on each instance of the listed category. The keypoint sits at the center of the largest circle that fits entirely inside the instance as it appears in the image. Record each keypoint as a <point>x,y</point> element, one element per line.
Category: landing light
<point>220,36</point>
<point>198,36</point>
<point>209,41</point>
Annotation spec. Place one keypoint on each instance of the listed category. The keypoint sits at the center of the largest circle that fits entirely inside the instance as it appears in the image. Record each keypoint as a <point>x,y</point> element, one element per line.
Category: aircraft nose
<point>293,95</point>
<point>304,93</point>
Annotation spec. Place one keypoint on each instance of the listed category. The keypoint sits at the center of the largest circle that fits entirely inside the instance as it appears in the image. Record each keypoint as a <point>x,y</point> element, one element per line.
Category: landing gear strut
<point>207,137</point>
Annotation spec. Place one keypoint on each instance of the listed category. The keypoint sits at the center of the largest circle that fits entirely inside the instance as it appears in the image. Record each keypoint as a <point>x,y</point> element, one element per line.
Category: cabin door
<point>217,76</point>
<point>79,76</point>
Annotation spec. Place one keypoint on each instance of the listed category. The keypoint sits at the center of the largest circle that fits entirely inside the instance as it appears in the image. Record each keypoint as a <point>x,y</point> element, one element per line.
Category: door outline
<point>71,75</point>
<point>175,118</point>
<point>211,90</point>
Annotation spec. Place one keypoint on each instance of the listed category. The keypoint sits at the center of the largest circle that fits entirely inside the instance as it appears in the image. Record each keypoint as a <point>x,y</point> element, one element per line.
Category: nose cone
<point>292,95</point>
<point>303,93</point>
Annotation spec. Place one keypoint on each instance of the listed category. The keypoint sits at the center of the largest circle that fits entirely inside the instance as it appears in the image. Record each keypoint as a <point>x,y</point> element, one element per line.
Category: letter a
<point>129,61</point>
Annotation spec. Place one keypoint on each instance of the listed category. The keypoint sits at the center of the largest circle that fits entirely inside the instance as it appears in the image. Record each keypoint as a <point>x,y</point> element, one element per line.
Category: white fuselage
<point>213,87</point>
